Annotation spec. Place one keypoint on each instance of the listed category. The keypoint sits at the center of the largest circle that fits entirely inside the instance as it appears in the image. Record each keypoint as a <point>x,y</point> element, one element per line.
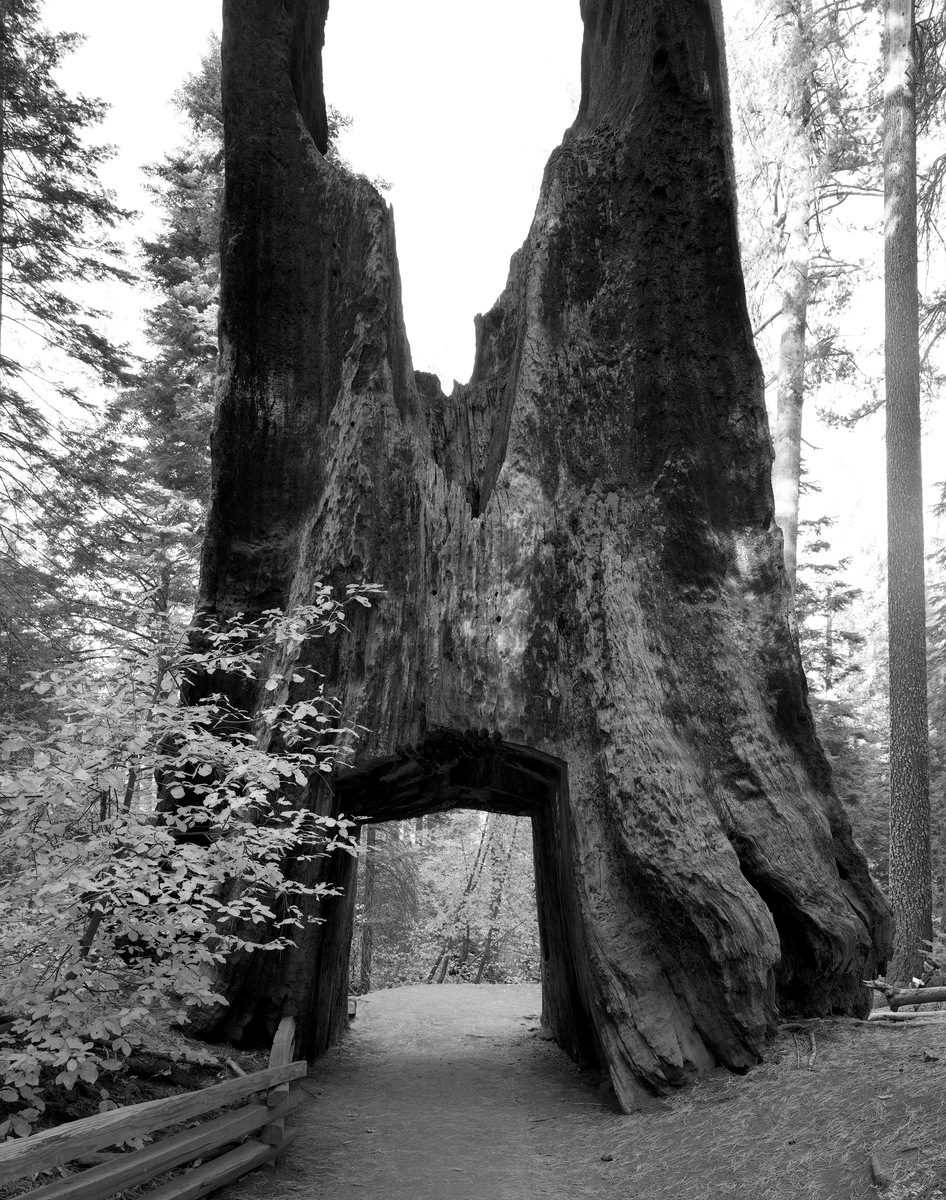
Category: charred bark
<point>578,549</point>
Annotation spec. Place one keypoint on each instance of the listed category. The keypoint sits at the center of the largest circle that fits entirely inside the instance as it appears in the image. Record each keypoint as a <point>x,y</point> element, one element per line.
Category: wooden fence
<point>266,1118</point>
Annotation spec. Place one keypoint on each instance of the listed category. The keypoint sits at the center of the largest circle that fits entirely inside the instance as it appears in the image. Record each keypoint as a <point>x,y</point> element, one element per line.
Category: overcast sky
<point>457,104</point>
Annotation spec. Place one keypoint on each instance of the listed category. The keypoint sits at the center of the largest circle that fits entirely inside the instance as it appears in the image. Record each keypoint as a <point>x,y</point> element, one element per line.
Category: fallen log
<point>935,995</point>
<point>901,997</point>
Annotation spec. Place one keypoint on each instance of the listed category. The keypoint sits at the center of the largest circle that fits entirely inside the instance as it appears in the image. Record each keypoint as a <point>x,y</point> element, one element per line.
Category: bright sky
<point>457,105</point>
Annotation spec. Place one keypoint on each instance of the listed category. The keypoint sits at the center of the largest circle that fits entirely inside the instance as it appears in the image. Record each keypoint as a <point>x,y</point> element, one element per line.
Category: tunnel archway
<point>480,770</point>
<point>576,548</point>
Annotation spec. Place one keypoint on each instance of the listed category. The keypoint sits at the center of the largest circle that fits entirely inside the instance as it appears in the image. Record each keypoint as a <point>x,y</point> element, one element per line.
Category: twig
<point>922,1018</point>
<point>179,1058</point>
<point>235,1067</point>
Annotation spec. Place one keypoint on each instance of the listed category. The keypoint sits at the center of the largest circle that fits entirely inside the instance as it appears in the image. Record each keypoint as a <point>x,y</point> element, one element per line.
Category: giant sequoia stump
<point>577,548</point>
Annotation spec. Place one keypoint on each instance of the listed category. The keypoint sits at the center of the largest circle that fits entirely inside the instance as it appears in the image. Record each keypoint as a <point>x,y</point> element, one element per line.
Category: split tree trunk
<point>911,887</point>
<point>578,549</point>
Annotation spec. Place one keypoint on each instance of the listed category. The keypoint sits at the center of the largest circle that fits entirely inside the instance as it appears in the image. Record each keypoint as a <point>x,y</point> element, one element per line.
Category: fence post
<point>280,1055</point>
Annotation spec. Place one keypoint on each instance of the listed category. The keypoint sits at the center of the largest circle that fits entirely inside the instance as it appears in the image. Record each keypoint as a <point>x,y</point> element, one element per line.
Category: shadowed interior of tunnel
<point>478,771</point>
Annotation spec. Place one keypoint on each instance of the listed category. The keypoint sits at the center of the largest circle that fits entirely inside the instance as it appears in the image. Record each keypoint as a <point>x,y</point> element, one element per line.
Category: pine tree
<point>171,408</point>
<point>117,546</point>
<point>54,220</point>
<point>55,233</point>
<point>910,868</point>
<point>823,595</point>
<point>797,58</point>
<point>841,648</point>
<point>805,139</point>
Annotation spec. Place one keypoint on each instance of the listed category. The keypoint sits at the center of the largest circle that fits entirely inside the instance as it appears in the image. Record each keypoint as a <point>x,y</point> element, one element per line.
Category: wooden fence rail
<point>47,1150</point>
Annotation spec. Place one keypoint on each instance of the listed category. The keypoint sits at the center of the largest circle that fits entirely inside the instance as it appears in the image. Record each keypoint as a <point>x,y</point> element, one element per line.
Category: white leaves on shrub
<point>83,856</point>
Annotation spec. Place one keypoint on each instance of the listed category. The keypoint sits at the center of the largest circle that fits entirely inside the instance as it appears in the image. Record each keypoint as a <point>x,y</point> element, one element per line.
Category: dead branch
<point>901,997</point>
<point>922,1018</point>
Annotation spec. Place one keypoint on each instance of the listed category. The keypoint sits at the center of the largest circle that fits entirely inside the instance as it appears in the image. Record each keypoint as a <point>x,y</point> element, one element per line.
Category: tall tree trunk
<point>585,618</point>
<point>790,387</point>
<point>487,953</point>
<point>498,873</point>
<point>369,869</point>
<point>910,868</point>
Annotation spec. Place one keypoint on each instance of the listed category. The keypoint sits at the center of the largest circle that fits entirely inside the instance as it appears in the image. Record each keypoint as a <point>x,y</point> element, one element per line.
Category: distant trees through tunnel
<point>446,897</point>
<point>501,908</point>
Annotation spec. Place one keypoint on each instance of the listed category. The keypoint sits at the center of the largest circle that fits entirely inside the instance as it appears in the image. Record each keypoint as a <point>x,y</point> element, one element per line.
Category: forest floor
<point>456,1092</point>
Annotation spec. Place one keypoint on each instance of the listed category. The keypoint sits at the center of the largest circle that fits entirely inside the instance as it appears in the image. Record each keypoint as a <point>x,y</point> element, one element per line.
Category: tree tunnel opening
<point>452,771</point>
<point>445,898</point>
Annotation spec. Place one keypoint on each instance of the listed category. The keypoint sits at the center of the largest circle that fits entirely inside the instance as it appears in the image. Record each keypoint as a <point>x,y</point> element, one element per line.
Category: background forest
<point>104,470</point>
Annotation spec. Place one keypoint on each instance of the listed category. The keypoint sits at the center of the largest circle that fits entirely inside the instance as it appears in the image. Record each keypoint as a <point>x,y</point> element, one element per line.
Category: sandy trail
<point>454,1093</point>
<point>437,1092</point>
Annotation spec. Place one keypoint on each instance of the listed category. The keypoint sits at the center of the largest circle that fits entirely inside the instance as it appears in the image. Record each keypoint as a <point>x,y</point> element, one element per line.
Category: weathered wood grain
<point>137,1167</point>
<point>221,1171</point>
<point>283,1043</point>
<point>46,1150</point>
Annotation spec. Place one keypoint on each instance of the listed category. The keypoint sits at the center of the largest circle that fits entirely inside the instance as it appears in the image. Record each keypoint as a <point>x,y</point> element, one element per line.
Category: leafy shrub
<point>116,912</point>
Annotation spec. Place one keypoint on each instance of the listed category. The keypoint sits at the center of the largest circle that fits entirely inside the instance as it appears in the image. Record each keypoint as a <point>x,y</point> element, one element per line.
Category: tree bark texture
<point>586,617</point>
<point>910,867</point>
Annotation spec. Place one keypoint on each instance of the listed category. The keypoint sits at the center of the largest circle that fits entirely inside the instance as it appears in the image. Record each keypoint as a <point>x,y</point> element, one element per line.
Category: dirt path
<point>437,1093</point>
<point>453,1092</point>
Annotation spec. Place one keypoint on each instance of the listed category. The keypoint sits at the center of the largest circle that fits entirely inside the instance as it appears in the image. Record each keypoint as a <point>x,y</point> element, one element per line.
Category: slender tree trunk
<point>367,911</point>
<point>497,884</point>
<point>828,650</point>
<point>786,470</point>
<point>910,869</point>
<point>799,173</point>
<point>487,952</point>
<point>432,973</point>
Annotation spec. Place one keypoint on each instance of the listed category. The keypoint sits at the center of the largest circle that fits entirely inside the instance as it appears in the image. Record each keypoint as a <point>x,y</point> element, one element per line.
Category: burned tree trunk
<point>577,546</point>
